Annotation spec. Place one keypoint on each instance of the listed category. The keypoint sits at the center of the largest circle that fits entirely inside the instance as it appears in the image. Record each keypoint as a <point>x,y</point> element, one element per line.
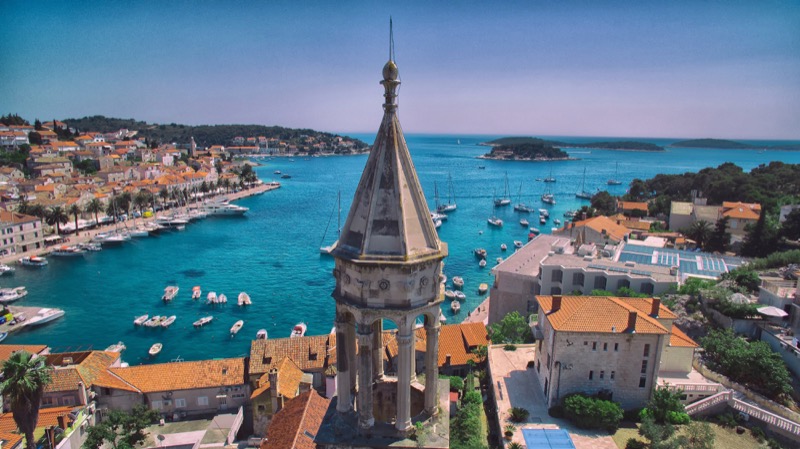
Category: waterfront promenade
<point>85,235</point>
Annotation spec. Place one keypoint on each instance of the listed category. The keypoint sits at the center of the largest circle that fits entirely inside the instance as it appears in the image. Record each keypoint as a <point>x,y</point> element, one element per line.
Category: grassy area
<point>726,438</point>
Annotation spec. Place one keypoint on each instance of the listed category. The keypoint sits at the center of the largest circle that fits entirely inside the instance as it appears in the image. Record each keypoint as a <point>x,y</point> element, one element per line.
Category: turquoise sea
<point>273,252</point>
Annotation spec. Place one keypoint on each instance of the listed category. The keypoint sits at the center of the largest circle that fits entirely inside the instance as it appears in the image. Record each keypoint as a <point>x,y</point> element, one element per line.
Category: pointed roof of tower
<point>389,218</point>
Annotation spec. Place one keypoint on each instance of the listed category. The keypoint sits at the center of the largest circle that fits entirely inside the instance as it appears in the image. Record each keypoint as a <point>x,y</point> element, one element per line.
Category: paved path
<point>480,314</point>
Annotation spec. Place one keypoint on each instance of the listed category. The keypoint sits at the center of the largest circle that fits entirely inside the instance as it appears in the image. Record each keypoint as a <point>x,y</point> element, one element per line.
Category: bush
<point>633,443</point>
<point>632,415</point>
<point>509,348</point>
<point>509,430</point>
<point>518,414</point>
<point>456,383</point>
<point>515,445</point>
<point>758,434</point>
<point>727,420</point>
<point>556,411</point>
<point>678,418</point>
<point>773,444</point>
<point>592,413</point>
<point>472,397</point>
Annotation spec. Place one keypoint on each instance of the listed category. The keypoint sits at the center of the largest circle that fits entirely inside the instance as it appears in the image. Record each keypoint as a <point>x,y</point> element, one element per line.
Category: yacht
<point>45,316</point>
<point>223,209</point>
<point>614,181</point>
<point>550,178</point>
<point>298,330</point>
<point>33,261</point>
<point>89,246</point>
<point>170,292</point>
<point>170,222</point>
<point>548,198</point>
<point>68,251</point>
<point>542,219</point>
<point>451,198</point>
<point>237,326</point>
<point>524,223</point>
<point>544,213</point>
<point>583,194</point>
<point>494,221</point>
<point>139,231</point>
<point>12,294</point>
<point>5,269</point>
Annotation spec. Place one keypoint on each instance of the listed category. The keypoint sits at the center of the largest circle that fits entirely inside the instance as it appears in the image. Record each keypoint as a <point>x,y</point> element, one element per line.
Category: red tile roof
<point>297,423</point>
<point>183,375</point>
<point>603,314</point>
<point>7,350</point>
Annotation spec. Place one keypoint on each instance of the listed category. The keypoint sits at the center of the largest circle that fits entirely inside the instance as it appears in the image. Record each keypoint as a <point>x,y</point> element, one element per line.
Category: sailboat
<point>548,197</point>
<point>520,206</point>
<point>494,220</point>
<point>583,194</point>
<point>550,178</point>
<point>614,181</point>
<point>504,200</point>
<point>326,250</point>
<point>451,198</point>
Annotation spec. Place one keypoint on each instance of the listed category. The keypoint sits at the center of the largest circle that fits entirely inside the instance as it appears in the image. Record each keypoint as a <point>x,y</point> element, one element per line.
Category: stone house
<point>312,354</point>
<point>740,215</point>
<point>9,174</point>
<point>598,230</point>
<point>74,374</point>
<point>20,233</point>
<point>280,385</point>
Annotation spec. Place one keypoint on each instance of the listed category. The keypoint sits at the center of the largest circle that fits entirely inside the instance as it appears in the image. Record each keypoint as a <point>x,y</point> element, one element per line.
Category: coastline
<point>554,159</point>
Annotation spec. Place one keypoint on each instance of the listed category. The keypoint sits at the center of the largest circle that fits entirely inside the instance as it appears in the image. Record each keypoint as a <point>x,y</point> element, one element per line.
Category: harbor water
<point>272,253</point>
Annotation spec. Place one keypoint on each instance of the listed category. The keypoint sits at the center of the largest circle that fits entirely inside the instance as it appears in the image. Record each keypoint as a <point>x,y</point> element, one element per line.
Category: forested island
<point>622,145</point>
<point>732,145</point>
<point>526,152</point>
<point>208,135</point>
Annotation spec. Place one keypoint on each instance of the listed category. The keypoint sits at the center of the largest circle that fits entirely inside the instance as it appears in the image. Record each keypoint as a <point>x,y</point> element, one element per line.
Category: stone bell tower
<point>388,265</point>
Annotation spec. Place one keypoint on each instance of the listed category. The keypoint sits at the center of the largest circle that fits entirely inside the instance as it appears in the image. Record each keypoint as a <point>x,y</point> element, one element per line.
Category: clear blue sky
<point>724,69</point>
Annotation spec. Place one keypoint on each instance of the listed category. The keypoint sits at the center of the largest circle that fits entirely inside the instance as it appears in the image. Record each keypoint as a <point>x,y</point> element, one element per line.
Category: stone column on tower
<point>377,349</point>
<point>350,345</point>
<point>343,367</point>
<point>432,328</point>
<point>405,349</point>
<point>365,363</point>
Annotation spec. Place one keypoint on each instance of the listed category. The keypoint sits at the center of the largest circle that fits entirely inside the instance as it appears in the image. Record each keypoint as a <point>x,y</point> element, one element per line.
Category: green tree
<point>604,203</point>
<point>699,231</point>
<point>56,217</point>
<point>790,229</point>
<point>75,211</point>
<point>662,402</point>
<point>720,238</point>
<point>761,239</point>
<point>94,206</point>
<point>141,200</point>
<point>512,329</point>
<point>121,430</point>
<point>638,191</point>
<point>659,436</point>
<point>24,381</point>
<point>699,435</point>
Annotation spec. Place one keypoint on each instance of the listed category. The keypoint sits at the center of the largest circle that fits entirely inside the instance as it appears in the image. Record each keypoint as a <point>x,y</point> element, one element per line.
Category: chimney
<point>656,306</point>
<point>447,359</point>
<point>273,388</point>
<point>81,395</point>
<point>556,303</point>
<point>632,321</point>
<point>62,421</point>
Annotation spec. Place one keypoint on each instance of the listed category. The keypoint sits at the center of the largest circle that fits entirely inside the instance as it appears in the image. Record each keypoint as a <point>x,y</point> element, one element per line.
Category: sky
<point>722,69</point>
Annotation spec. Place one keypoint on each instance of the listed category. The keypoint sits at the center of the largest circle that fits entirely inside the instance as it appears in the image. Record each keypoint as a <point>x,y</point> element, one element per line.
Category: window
<point>605,346</point>
<point>591,375</point>
<point>47,401</point>
<point>644,366</point>
<point>556,276</point>
<point>577,279</point>
<point>616,346</point>
<point>156,405</point>
<point>538,366</point>
<point>262,408</point>
<point>548,360</point>
<point>585,343</point>
<point>241,395</point>
<point>594,346</point>
<point>647,350</point>
<point>600,283</point>
<point>202,400</point>
<point>623,283</point>
<point>602,374</point>
<point>67,400</point>
<point>612,375</point>
<point>648,288</point>
<point>180,403</point>
<point>642,382</point>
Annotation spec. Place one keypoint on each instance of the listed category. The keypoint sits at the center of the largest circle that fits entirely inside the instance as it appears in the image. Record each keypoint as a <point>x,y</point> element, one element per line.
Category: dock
<point>29,312</point>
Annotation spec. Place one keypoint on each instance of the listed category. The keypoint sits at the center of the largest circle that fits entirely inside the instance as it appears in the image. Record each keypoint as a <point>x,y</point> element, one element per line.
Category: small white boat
<point>482,263</point>
<point>8,295</point>
<point>483,288</point>
<point>499,260</point>
<point>544,213</point>
<point>556,222</point>
<point>5,269</point>
<point>33,261</point>
<point>494,221</point>
<point>449,294</point>
<point>524,223</point>
<point>155,349</point>
<point>170,292</point>
<point>479,252</point>
<point>212,297</point>
<point>154,321</point>
<point>517,244</point>
<point>460,295</point>
<point>244,299</point>
<point>535,231</point>
<point>203,321</point>
<point>222,299</point>
<point>221,209</point>
<point>68,251</point>
<point>196,292</point>
<point>455,306</point>
<point>237,326</point>
<point>168,321</point>
<point>542,219</point>
<point>458,282</point>
<point>45,316</point>
<point>89,246</point>
<point>140,320</point>
<point>298,330</point>
<point>442,318</point>
<point>139,231</point>
<point>503,247</point>
<point>443,278</point>
<point>117,347</point>
<point>3,335</point>
<point>261,334</point>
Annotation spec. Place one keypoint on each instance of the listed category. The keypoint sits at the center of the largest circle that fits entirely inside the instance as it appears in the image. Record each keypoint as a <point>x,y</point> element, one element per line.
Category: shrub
<point>514,445</point>
<point>509,430</point>
<point>633,443</point>
<point>773,444</point>
<point>758,434</point>
<point>509,348</point>
<point>678,418</point>
<point>472,397</point>
<point>456,383</point>
<point>556,411</point>
<point>727,420</point>
<point>632,415</point>
<point>592,413</point>
<point>518,414</point>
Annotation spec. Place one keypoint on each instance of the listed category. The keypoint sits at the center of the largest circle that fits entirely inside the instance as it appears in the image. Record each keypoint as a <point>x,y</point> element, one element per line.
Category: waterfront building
<point>20,233</point>
<point>74,374</point>
<point>312,354</point>
<point>388,261</point>
<point>618,348</point>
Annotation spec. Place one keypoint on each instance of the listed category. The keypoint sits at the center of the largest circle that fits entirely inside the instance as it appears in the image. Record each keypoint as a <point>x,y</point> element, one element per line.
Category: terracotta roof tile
<point>10,440</point>
<point>603,223</point>
<point>605,314</point>
<point>308,352</point>
<point>297,423</point>
<point>7,350</point>
<point>183,375</point>
<point>289,377</point>
<point>680,339</point>
<point>88,368</point>
<point>457,340</point>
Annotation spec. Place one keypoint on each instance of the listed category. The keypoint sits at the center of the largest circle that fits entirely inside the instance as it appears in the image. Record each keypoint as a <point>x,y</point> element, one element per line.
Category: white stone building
<point>20,233</point>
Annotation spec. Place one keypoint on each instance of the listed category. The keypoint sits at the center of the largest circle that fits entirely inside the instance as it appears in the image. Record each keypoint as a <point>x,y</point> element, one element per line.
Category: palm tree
<point>227,184</point>
<point>699,231</point>
<point>164,194</point>
<point>94,207</point>
<point>23,205</point>
<point>111,207</point>
<point>75,211</point>
<point>56,217</point>
<point>141,200</point>
<point>24,380</point>
<point>37,210</point>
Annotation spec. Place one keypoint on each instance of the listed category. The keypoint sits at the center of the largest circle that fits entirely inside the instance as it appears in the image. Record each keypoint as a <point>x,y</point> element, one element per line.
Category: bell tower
<point>388,263</point>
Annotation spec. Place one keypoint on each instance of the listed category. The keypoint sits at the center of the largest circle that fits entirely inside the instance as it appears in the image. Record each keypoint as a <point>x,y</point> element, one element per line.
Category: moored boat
<point>503,247</point>
<point>5,269</point>
<point>479,252</point>
<point>244,299</point>
<point>494,221</point>
<point>455,306</point>
<point>140,320</point>
<point>460,295</point>
<point>237,326</point>
<point>45,316</point>
<point>298,330</point>
<point>154,321</point>
<point>222,299</point>
<point>33,261</point>
<point>517,244</point>
<point>116,347</point>
<point>196,292</point>
<point>483,288</point>
<point>211,297</point>
<point>67,251</point>
<point>203,321</point>
<point>458,282</point>
<point>8,295</point>
<point>482,263</point>
<point>167,322</point>
<point>170,292</point>
<point>221,209</point>
<point>261,334</point>
<point>155,349</point>
<point>524,223</point>
<point>449,294</point>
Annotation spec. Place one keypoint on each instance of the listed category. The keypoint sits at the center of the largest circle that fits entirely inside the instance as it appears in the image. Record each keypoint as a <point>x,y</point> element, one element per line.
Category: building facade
<point>20,233</point>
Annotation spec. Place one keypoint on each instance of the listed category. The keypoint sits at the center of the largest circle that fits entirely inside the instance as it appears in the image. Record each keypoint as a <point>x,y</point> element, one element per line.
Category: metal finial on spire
<point>391,40</point>
<point>390,74</point>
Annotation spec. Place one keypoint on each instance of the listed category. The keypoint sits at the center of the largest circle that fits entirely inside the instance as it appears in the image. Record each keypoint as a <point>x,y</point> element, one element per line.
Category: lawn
<point>726,438</point>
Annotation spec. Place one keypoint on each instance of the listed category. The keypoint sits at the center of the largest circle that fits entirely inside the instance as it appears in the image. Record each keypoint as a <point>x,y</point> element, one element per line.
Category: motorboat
<point>499,260</point>
<point>196,292</point>
<point>244,299</point>
<point>211,297</point>
<point>556,222</point>
<point>3,335</point>
<point>5,269</point>
<point>68,251</point>
<point>437,224</point>
<point>549,198</point>
<point>494,221</point>
<point>170,292</point>
<point>460,295</point>
<point>442,278</point>
<point>277,172</point>
<point>442,318</point>
<point>155,349</point>
<point>237,326</point>
<point>544,213</point>
<point>153,227</point>
<point>140,320</point>
<point>437,216</point>
<point>219,209</point>
<point>482,263</point>
<point>90,246</point>
<point>261,334</point>
<point>535,231</point>
<point>203,321</point>
<point>503,247</point>
<point>524,223</point>
<point>517,244</point>
<point>168,321</point>
<point>33,261</point>
<point>449,294</point>
<point>154,321</point>
<point>45,316</point>
<point>455,306</point>
<point>522,207</point>
<point>286,176</point>
<point>480,252</point>
<point>222,299</point>
<point>483,288</point>
<point>298,330</point>
<point>458,282</point>
<point>569,214</point>
<point>170,222</point>
<point>139,231</point>
<point>542,219</point>
<point>116,347</point>
<point>8,295</point>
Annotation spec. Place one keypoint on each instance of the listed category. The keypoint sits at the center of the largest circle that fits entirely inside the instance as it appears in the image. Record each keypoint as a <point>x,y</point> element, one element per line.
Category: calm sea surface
<point>273,252</point>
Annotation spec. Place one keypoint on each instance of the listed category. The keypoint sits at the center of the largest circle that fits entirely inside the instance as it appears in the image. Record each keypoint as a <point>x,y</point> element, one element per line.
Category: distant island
<point>527,151</point>
<point>302,141</point>
<point>731,145</point>
<point>624,145</point>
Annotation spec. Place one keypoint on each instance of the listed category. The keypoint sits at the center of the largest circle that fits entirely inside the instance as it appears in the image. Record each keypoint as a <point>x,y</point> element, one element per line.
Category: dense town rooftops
<point>308,352</point>
<point>183,375</point>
